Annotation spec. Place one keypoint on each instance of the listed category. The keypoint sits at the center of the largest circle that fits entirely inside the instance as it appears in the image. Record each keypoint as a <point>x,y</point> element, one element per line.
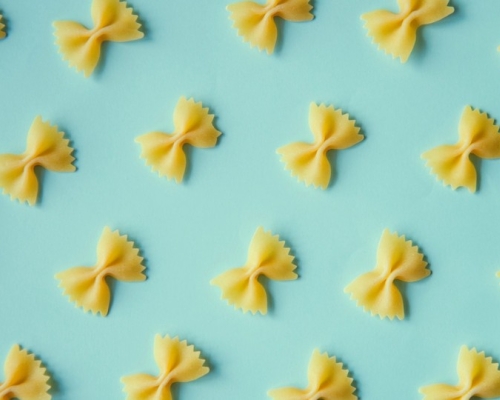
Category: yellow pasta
<point>332,130</point>
<point>164,152</point>
<point>479,378</point>
<point>116,258</point>
<point>47,148</point>
<point>177,362</point>
<point>397,259</point>
<point>266,256</point>
<point>81,47</point>
<point>396,33</point>
<point>2,26</point>
<point>25,377</point>
<point>328,380</point>
<point>255,22</point>
<point>478,135</point>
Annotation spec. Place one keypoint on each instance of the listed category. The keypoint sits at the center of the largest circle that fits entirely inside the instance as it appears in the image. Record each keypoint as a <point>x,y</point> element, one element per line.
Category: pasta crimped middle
<point>193,125</point>
<point>25,377</point>
<point>81,47</point>
<point>255,22</point>
<point>47,148</point>
<point>328,380</point>
<point>397,259</point>
<point>396,33</point>
<point>267,256</point>
<point>332,130</point>
<point>177,362</point>
<point>116,258</point>
<point>479,136</point>
<point>479,378</point>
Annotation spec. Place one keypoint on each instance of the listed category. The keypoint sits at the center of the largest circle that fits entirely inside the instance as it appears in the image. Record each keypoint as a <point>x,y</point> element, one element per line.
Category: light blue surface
<point>191,232</point>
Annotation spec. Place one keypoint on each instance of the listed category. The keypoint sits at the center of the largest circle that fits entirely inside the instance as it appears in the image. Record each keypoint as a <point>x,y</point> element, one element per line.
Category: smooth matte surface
<point>190,233</point>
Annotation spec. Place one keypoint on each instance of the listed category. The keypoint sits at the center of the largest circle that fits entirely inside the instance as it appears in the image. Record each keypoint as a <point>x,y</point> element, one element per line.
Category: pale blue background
<point>191,232</point>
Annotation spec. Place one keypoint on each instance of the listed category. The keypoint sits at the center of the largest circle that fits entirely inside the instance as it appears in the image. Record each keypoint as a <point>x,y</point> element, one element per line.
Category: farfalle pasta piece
<point>47,148</point>
<point>479,378</point>
<point>255,22</point>
<point>397,259</point>
<point>81,47</point>
<point>478,135</point>
<point>266,256</point>
<point>164,152</point>
<point>332,130</point>
<point>396,33</point>
<point>328,380</point>
<point>25,377</point>
<point>2,26</point>
<point>116,258</point>
<point>177,361</point>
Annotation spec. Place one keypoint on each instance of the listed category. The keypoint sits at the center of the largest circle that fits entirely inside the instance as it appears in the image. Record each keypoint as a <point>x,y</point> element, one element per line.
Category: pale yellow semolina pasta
<point>397,259</point>
<point>478,135</point>
<point>332,130</point>
<point>25,377</point>
<point>117,258</point>
<point>47,148</point>
<point>479,378</point>
<point>2,26</point>
<point>328,380</point>
<point>267,256</point>
<point>164,152</point>
<point>81,47</point>
<point>255,22</point>
<point>396,33</point>
<point>177,361</point>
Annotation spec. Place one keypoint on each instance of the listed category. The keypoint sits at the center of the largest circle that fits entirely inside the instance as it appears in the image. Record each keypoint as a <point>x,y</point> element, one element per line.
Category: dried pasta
<point>478,135</point>
<point>396,33</point>
<point>255,22</point>
<point>328,380</point>
<point>25,377</point>
<point>2,26</point>
<point>116,258</point>
<point>177,362</point>
<point>47,148</point>
<point>81,47</point>
<point>479,378</point>
<point>397,259</point>
<point>332,130</point>
<point>164,152</point>
<point>266,256</point>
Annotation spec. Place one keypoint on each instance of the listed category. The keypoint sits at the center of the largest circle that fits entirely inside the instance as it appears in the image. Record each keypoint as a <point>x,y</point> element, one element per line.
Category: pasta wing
<point>2,28</point>
<point>47,148</point>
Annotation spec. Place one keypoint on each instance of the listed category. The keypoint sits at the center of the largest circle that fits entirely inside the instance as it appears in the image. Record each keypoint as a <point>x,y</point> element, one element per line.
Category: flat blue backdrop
<point>191,232</point>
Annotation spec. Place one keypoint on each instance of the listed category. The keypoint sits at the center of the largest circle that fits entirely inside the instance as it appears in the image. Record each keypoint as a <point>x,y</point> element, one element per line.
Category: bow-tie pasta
<point>116,258</point>
<point>479,378</point>
<point>397,259</point>
<point>81,47</point>
<point>2,26</point>
<point>328,380</point>
<point>396,33</point>
<point>266,256</point>
<point>255,22</point>
<point>47,148</point>
<point>25,377</point>
<point>177,362</point>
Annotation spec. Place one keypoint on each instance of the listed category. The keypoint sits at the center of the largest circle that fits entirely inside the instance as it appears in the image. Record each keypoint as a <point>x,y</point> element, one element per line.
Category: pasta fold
<point>478,377</point>
<point>177,362</point>
<point>478,135</point>
<point>397,259</point>
<point>332,130</point>
<point>47,148</point>
<point>2,26</point>
<point>81,47</point>
<point>164,152</point>
<point>396,33</point>
<point>266,256</point>
<point>328,380</point>
<point>255,22</point>
<point>25,377</point>
<point>116,258</point>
